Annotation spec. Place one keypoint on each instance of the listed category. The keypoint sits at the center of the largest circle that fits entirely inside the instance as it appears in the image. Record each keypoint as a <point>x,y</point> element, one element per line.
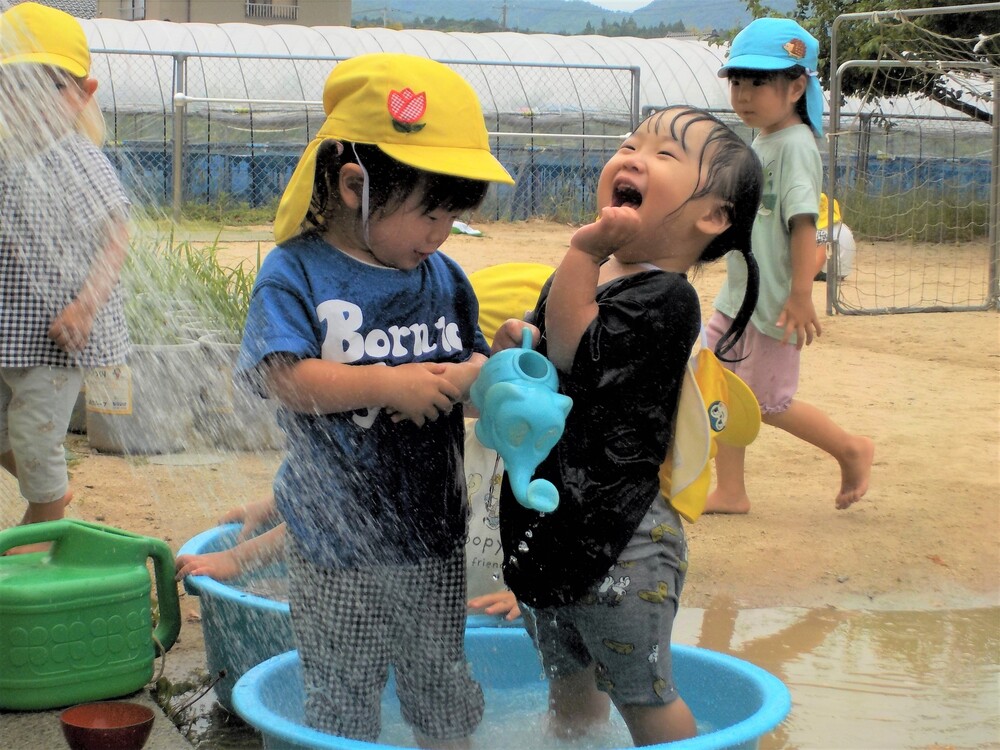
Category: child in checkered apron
<point>63,239</point>
<point>368,337</point>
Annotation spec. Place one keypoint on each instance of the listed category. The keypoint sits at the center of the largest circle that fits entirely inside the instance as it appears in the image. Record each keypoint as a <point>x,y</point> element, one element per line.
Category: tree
<point>866,40</point>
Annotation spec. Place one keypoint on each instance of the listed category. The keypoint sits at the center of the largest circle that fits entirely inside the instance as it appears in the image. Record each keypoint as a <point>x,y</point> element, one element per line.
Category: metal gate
<point>918,187</point>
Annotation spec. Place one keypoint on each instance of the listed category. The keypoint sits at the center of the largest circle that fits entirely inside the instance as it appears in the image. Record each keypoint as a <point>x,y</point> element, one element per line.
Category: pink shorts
<point>770,368</point>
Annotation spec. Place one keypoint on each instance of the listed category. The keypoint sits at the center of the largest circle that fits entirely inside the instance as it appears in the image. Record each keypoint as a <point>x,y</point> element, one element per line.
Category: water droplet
<point>512,560</point>
<point>522,547</point>
<point>496,576</point>
<point>528,534</point>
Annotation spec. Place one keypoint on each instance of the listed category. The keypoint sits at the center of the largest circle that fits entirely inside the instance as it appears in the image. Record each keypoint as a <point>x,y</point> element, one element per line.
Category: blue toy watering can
<point>521,417</point>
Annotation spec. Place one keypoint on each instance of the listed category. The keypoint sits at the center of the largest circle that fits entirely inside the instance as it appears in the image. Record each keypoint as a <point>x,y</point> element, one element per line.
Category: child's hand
<point>421,393</point>
<point>799,317</point>
<point>71,328</point>
<point>218,565</point>
<point>463,374</point>
<point>500,603</point>
<point>252,515</point>
<point>509,335</point>
<point>616,226</point>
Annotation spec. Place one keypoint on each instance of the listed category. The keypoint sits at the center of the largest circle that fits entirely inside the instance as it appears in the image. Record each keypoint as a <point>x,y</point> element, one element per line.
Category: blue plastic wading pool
<point>733,701</point>
<point>243,626</point>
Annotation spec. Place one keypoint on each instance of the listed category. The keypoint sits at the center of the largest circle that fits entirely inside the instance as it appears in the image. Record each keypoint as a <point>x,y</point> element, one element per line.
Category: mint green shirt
<point>793,174</point>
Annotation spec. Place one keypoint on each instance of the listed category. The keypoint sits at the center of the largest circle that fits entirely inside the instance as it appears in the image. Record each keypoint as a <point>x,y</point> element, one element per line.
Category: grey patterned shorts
<point>624,622</point>
<point>352,625</point>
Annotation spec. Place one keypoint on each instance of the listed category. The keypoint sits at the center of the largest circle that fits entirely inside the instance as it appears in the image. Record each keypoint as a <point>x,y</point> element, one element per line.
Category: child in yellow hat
<point>368,337</point>
<point>842,234</point>
<point>599,578</point>
<point>63,238</point>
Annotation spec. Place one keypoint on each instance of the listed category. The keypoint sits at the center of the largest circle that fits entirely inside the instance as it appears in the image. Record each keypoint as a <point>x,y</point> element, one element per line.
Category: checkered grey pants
<point>351,625</point>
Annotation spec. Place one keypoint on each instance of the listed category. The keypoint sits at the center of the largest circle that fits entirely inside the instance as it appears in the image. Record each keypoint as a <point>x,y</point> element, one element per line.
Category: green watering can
<point>76,622</point>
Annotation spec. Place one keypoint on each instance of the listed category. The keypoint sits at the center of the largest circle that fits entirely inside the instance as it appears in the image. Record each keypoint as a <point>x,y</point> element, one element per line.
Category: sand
<point>924,387</point>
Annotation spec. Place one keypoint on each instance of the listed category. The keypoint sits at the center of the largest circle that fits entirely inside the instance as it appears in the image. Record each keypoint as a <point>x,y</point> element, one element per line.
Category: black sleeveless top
<point>625,383</point>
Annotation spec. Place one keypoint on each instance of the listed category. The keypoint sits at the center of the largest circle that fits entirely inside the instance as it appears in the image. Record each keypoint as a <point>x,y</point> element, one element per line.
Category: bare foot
<point>54,511</point>
<point>39,513</point>
<point>727,504</point>
<point>855,472</point>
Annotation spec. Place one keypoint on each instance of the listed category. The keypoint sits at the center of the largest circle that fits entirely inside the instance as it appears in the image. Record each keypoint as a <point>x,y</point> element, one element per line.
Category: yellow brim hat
<point>714,405</point>
<point>824,211</point>
<point>418,111</point>
<point>37,34</point>
<point>682,476</point>
<point>733,411</point>
<point>507,290</point>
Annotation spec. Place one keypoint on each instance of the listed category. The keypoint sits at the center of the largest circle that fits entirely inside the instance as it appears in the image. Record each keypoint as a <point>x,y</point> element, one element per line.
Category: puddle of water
<point>869,679</point>
<point>859,679</point>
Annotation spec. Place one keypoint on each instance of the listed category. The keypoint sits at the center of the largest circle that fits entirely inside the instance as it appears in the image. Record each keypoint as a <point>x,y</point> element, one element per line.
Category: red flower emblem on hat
<point>406,108</point>
<point>795,48</point>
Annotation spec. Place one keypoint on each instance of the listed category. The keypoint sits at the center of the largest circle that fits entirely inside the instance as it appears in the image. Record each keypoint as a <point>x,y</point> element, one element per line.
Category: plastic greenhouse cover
<point>672,70</point>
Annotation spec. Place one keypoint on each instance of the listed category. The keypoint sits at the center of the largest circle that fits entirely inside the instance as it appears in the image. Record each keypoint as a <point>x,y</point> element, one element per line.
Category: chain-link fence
<point>918,189</point>
<point>223,129</point>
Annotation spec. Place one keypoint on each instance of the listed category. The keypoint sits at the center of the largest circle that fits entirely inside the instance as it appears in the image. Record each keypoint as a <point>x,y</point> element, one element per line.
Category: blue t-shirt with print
<point>355,487</point>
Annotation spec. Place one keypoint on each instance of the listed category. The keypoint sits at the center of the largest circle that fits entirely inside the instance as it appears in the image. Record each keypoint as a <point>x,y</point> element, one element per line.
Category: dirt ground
<point>925,387</point>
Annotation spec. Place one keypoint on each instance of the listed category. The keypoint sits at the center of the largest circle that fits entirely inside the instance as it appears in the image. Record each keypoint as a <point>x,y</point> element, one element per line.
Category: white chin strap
<point>364,197</point>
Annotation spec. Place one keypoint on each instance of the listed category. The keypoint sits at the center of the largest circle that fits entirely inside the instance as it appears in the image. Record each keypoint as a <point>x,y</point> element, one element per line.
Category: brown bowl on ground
<point>108,725</point>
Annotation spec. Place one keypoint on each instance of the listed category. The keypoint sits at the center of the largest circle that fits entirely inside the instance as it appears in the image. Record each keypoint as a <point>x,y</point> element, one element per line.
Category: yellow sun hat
<point>418,111</point>
<point>38,34</point>
<point>714,405</point>
<point>34,34</point>
<point>733,411</point>
<point>507,290</point>
<point>824,210</point>
<point>686,473</point>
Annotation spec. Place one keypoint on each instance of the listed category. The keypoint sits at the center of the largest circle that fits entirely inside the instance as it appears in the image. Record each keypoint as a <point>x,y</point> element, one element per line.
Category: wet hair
<point>390,183</point>
<point>784,75</point>
<point>733,174</point>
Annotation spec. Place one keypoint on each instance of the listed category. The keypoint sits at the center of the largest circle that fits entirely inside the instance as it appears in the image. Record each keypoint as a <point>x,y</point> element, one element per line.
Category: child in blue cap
<point>774,89</point>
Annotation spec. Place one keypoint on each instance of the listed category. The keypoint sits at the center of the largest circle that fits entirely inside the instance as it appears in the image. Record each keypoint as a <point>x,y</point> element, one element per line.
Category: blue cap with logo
<point>776,44</point>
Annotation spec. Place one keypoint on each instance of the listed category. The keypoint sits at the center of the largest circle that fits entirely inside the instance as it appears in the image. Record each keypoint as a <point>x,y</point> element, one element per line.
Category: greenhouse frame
<point>217,115</point>
<point>234,104</point>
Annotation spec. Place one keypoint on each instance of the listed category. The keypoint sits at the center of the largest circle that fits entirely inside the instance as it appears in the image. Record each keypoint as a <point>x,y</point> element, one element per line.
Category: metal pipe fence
<point>216,128</point>
<point>225,130</point>
<point>926,195</point>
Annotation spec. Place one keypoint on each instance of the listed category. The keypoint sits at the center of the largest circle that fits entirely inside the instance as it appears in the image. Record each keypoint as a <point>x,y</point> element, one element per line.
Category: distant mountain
<point>562,16</point>
<point>703,15</point>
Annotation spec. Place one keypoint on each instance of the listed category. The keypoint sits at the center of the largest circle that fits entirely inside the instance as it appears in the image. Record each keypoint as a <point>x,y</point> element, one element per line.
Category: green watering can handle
<point>169,625</point>
<point>88,544</point>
